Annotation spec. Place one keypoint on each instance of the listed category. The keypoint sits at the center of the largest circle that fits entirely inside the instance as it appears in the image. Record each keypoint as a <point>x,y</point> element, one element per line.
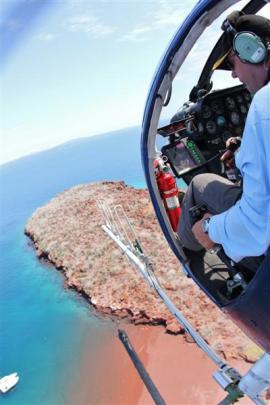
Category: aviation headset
<point>249,47</point>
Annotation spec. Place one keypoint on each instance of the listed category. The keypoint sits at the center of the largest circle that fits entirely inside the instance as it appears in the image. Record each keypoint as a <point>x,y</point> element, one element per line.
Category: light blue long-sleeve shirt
<point>244,229</point>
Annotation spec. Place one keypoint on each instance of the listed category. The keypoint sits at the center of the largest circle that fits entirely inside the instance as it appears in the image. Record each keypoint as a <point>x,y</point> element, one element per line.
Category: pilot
<point>238,217</point>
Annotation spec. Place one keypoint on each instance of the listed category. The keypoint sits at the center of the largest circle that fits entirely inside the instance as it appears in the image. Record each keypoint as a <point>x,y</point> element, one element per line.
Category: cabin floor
<point>213,274</point>
<point>210,271</point>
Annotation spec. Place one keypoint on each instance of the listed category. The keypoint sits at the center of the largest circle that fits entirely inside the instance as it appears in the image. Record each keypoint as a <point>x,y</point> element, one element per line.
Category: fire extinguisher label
<point>167,192</point>
<point>172,202</point>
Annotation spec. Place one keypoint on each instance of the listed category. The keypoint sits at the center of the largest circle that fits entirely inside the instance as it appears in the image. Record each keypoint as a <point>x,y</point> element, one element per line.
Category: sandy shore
<point>180,371</point>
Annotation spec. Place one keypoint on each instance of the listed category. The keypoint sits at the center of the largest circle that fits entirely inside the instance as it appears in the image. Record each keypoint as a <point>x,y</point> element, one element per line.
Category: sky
<point>77,68</point>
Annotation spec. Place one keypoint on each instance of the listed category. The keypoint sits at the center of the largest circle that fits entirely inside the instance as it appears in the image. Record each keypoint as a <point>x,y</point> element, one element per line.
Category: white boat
<point>8,382</point>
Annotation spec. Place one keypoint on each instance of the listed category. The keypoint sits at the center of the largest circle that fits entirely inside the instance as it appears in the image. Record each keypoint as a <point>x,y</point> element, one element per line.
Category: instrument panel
<point>221,115</point>
<point>208,123</point>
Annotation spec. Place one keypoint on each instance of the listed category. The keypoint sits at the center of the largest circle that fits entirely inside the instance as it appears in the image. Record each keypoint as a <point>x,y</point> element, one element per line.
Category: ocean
<point>46,329</point>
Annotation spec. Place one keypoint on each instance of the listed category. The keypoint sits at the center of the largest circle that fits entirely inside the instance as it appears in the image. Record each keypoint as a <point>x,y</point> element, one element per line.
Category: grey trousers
<point>215,192</point>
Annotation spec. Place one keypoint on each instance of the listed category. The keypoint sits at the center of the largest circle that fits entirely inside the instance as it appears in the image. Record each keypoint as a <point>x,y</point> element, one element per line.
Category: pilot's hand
<point>200,235</point>
<point>232,144</point>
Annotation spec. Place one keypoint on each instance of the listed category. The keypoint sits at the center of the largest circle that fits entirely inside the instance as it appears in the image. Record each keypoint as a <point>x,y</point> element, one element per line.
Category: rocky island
<point>67,232</point>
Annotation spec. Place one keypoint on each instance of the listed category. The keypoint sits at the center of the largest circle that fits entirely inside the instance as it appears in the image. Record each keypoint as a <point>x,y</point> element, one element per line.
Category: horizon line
<point>35,152</point>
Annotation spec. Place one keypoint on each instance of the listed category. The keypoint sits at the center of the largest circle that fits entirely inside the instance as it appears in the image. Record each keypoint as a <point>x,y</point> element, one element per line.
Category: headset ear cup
<point>249,47</point>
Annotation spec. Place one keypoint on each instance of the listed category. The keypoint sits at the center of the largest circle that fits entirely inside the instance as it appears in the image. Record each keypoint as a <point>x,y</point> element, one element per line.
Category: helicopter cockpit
<point>191,143</point>
<point>198,132</point>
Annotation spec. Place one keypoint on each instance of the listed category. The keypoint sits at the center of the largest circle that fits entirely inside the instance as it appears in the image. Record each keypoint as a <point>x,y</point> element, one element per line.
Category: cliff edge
<point>67,231</point>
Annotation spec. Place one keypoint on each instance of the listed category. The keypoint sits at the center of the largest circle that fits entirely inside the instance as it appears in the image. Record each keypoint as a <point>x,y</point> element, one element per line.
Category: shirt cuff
<point>216,229</point>
<point>217,233</point>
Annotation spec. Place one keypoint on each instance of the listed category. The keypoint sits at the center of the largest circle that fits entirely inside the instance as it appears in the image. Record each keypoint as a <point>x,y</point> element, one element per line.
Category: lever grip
<point>234,145</point>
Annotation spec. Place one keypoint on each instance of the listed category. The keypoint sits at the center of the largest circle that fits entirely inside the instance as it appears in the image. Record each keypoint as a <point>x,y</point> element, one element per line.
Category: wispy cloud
<point>88,24</point>
<point>165,14</point>
<point>45,36</point>
<point>139,34</point>
<point>169,13</point>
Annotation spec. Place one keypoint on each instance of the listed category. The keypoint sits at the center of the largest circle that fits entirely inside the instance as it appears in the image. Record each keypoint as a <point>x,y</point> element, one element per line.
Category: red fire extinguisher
<point>168,191</point>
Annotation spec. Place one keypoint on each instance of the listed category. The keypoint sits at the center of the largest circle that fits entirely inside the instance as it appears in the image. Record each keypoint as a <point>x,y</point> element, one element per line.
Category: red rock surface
<point>67,231</point>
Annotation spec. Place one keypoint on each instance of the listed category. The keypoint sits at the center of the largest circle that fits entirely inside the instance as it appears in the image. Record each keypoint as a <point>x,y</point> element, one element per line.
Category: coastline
<point>67,232</point>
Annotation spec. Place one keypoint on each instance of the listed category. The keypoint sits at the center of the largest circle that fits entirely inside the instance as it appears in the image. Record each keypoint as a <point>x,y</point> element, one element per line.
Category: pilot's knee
<point>200,181</point>
<point>203,188</point>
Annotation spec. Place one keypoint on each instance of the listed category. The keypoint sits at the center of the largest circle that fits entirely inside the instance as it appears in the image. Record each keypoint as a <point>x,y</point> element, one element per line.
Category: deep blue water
<point>45,328</point>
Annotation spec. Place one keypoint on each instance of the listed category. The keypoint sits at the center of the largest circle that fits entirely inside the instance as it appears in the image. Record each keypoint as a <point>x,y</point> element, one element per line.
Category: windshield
<point>191,69</point>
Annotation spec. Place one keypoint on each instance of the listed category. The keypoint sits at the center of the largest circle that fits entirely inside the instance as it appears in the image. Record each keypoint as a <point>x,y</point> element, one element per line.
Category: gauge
<point>235,118</point>
<point>217,107</point>
<point>239,99</point>
<point>247,96</point>
<point>211,127</point>
<point>221,121</point>
<point>206,111</point>
<point>230,103</point>
<point>243,109</point>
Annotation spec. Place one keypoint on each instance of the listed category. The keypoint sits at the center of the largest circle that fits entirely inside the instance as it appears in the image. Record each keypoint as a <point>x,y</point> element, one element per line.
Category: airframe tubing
<point>250,382</point>
<point>172,308</point>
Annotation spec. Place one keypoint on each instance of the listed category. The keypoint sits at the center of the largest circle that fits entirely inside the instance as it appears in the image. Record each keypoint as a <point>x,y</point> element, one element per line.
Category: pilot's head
<point>246,49</point>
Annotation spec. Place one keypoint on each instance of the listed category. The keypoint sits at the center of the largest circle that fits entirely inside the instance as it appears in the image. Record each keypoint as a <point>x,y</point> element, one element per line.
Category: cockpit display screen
<point>179,157</point>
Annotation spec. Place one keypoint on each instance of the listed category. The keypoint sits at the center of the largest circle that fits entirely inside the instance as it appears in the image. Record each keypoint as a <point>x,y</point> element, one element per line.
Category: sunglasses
<point>230,64</point>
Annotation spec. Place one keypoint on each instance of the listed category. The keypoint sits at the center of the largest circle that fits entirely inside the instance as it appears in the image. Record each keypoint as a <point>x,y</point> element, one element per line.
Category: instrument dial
<point>243,109</point>
<point>221,121</point>
<point>217,107</point>
<point>235,118</point>
<point>211,127</point>
<point>230,103</point>
<point>206,111</point>
<point>247,96</point>
<point>239,99</point>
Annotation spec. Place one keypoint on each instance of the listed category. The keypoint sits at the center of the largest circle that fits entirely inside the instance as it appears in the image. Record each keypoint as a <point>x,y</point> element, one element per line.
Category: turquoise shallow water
<point>45,328</point>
